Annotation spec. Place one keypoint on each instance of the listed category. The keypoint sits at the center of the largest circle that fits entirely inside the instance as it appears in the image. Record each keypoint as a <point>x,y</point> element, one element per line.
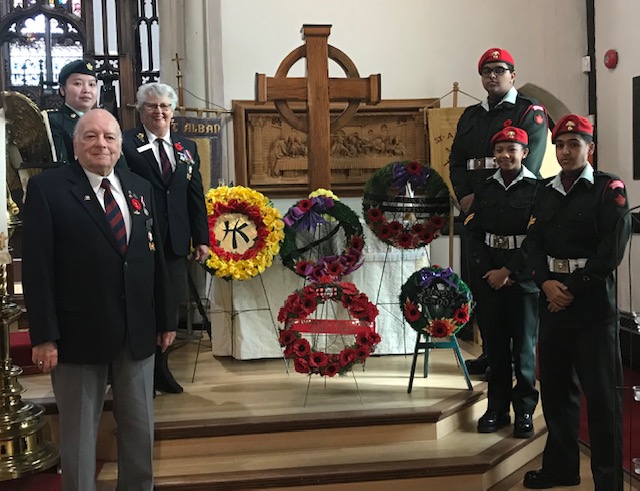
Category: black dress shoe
<point>492,421</point>
<point>539,480</point>
<point>162,377</point>
<point>523,426</point>
<point>168,385</point>
<point>477,366</point>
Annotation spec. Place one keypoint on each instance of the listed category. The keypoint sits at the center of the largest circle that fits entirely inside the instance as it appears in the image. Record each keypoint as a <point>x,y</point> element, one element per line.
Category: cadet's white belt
<point>482,163</point>
<point>504,241</point>
<point>565,265</point>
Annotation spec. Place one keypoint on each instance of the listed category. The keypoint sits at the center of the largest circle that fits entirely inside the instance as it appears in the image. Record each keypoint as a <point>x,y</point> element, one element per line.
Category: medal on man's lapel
<point>136,205</point>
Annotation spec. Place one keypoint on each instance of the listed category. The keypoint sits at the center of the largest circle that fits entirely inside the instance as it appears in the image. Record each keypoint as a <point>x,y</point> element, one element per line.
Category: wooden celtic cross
<point>317,90</point>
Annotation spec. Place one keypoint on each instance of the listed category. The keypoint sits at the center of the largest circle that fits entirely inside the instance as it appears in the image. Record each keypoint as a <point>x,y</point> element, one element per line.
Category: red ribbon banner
<point>330,326</point>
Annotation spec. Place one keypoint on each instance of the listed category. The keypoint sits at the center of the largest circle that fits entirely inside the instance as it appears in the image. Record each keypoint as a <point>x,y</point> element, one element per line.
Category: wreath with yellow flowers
<point>245,232</point>
<point>406,204</point>
<point>307,357</point>
<point>310,227</point>
<point>436,302</point>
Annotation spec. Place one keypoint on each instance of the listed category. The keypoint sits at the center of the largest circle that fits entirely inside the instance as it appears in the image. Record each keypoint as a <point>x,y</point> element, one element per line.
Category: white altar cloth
<point>244,313</point>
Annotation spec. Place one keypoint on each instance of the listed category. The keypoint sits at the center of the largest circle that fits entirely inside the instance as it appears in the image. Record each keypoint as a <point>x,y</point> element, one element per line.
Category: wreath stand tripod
<point>428,344</point>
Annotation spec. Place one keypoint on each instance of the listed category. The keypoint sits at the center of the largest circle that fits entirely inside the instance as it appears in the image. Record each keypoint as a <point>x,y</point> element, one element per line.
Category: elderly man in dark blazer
<point>95,285</point>
<point>171,164</point>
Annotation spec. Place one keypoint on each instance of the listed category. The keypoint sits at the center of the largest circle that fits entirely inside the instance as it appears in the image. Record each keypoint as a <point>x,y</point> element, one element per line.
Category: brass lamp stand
<point>23,449</point>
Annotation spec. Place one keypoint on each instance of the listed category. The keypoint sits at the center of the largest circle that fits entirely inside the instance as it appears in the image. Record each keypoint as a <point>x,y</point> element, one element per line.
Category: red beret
<point>493,55</point>
<point>572,123</point>
<point>511,134</point>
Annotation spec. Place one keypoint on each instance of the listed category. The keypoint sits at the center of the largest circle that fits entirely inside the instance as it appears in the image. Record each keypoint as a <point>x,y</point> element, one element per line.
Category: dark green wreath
<point>436,302</point>
<point>302,219</point>
<point>400,220</point>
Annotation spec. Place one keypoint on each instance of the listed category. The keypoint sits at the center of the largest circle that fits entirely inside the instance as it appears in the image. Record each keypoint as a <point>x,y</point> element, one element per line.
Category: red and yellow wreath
<point>245,232</point>
<point>307,357</point>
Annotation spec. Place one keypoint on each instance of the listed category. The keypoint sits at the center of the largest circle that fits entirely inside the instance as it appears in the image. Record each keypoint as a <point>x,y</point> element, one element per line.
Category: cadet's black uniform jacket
<point>477,126</point>
<point>503,212</point>
<point>590,222</point>
<point>63,123</point>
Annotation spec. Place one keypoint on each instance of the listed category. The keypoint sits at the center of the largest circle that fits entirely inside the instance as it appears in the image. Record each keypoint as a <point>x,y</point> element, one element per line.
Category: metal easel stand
<point>428,345</point>
<point>324,314</point>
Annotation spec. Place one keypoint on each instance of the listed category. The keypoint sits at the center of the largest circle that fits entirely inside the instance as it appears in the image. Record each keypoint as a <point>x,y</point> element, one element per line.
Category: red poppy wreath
<point>307,357</point>
<point>406,204</point>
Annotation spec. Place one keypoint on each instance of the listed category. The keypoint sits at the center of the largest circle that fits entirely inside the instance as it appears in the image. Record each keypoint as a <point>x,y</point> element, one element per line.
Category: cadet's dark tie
<point>165,163</point>
<point>114,216</point>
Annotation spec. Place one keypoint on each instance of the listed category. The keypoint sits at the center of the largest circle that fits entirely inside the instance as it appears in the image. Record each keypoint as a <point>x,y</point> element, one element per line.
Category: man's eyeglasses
<point>498,70</point>
<point>164,107</point>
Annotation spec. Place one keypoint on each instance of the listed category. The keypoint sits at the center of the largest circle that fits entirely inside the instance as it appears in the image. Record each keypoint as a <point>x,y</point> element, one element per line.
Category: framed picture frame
<point>271,156</point>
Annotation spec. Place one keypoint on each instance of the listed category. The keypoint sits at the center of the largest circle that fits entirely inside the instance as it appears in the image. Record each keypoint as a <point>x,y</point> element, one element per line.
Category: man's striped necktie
<point>114,216</point>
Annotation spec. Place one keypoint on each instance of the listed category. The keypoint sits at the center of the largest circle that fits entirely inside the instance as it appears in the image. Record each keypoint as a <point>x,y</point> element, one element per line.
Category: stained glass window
<point>41,46</point>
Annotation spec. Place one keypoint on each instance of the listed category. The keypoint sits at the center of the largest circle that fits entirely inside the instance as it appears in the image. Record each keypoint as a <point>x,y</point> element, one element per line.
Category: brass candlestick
<point>23,448</point>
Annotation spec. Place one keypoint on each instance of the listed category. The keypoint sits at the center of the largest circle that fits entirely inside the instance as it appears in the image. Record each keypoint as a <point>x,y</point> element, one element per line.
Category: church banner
<point>442,130</point>
<point>206,132</point>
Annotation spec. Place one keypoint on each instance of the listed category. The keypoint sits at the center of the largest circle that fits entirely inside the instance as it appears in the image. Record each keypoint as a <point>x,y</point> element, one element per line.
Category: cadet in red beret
<point>507,298</point>
<point>471,160</point>
<point>79,89</point>
<point>578,234</point>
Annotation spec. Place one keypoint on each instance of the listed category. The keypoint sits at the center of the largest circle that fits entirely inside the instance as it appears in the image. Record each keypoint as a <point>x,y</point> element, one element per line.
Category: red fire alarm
<point>611,59</point>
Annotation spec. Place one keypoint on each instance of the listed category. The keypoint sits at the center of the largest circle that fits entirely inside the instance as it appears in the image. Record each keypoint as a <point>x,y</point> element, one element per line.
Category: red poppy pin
<point>178,146</point>
<point>507,122</point>
<point>539,119</point>
<point>136,204</point>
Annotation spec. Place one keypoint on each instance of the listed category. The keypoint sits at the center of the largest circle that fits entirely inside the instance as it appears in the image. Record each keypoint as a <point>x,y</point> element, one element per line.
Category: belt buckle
<point>501,242</point>
<point>561,266</point>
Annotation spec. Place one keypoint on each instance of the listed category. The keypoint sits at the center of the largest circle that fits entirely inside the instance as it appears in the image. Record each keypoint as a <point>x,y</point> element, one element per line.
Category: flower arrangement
<point>307,357</point>
<point>307,232</point>
<point>245,232</point>
<point>406,204</point>
<point>436,302</point>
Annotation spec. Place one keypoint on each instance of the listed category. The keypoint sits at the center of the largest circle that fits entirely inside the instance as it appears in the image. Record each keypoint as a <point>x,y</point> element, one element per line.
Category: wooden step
<point>342,457</point>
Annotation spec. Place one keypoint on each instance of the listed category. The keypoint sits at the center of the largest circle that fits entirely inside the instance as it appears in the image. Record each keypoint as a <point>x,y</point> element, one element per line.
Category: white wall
<point>617,28</point>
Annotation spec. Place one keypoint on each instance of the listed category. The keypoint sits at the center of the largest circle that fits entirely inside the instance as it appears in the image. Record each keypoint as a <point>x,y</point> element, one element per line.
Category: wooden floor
<point>225,395</point>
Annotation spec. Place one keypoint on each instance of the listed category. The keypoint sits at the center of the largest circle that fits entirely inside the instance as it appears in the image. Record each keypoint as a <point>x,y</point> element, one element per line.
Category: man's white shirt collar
<point>508,97</point>
<point>586,174</point>
<point>524,172</point>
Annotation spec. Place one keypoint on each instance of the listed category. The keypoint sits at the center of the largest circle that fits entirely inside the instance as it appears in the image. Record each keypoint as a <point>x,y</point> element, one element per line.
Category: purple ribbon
<point>428,276</point>
<point>401,176</point>
<point>309,220</point>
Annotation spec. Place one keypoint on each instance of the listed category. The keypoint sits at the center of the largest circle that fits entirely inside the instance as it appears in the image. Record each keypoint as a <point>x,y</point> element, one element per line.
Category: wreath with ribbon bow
<point>307,357</point>
<point>245,232</point>
<point>310,227</point>
<point>436,302</point>
<point>406,204</point>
